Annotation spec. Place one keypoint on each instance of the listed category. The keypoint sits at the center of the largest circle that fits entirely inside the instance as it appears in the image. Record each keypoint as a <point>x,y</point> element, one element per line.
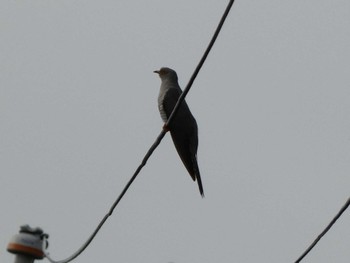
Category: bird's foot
<point>165,128</point>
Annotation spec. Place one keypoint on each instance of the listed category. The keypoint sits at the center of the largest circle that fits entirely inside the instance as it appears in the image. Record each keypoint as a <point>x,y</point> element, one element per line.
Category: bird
<point>183,128</point>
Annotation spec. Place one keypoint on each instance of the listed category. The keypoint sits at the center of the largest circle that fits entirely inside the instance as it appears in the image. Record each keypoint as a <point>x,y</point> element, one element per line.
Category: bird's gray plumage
<point>183,128</point>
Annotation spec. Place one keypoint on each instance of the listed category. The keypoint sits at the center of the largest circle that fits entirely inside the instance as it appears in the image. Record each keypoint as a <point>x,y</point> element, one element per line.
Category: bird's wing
<point>170,99</point>
<point>183,129</point>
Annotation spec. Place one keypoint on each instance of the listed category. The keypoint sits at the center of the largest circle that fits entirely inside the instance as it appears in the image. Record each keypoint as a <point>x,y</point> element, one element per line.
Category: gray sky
<point>78,111</point>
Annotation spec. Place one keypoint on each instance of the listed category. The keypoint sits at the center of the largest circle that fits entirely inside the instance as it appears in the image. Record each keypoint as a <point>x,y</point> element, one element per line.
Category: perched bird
<point>183,128</point>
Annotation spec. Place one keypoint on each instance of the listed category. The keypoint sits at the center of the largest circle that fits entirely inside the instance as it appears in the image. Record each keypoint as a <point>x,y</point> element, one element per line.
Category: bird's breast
<point>161,97</point>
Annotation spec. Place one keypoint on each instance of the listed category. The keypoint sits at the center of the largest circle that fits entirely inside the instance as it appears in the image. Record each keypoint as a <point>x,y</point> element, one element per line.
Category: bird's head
<point>166,74</point>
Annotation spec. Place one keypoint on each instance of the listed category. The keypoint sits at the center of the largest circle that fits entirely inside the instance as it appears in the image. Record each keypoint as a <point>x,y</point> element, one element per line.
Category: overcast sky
<point>78,111</point>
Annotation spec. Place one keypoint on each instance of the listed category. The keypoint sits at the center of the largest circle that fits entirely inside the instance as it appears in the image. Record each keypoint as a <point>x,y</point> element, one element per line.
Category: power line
<point>153,147</point>
<point>341,211</point>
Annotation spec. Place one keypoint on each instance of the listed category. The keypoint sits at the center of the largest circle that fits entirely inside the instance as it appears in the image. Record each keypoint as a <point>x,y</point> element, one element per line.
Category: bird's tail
<point>198,177</point>
<point>200,186</point>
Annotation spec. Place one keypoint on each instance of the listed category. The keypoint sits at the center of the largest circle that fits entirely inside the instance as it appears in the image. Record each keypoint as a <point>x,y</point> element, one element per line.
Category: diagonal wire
<point>153,147</point>
<point>201,62</point>
<point>341,211</point>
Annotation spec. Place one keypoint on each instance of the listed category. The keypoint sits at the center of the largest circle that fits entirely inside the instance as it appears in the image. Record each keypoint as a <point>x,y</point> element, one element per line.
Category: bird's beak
<point>156,71</point>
